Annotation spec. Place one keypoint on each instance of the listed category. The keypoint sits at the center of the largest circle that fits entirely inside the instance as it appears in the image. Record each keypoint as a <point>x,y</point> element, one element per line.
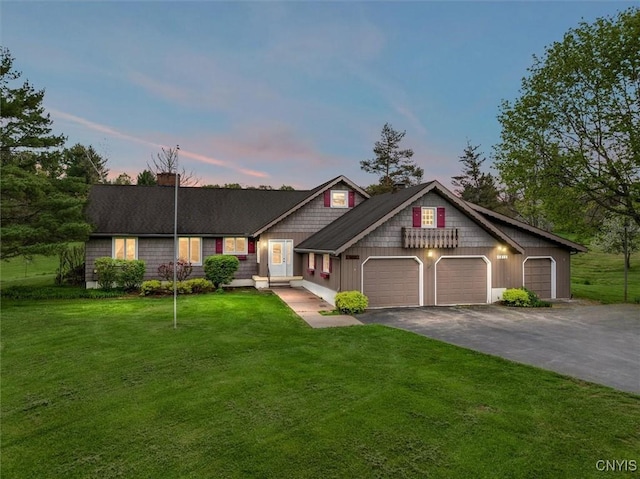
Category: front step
<point>262,282</point>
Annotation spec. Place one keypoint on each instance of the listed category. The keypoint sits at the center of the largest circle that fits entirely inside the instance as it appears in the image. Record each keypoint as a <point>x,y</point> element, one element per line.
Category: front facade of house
<point>417,246</point>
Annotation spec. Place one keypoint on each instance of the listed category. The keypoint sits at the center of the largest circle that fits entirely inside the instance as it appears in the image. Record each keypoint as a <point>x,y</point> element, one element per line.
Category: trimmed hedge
<point>351,302</point>
<point>523,298</point>
<point>190,286</point>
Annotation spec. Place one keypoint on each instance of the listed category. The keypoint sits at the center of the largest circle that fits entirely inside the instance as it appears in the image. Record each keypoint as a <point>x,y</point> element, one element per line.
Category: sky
<point>273,93</point>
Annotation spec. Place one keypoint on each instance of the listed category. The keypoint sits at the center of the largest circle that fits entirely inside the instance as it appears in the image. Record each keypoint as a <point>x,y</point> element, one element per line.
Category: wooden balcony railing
<point>430,237</point>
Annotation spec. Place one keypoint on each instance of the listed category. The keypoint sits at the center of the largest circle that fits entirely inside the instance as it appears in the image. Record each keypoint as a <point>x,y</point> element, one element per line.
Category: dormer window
<point>339,199</point>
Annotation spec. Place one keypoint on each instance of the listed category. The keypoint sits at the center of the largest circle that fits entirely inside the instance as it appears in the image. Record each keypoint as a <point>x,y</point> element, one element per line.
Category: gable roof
<point>501,219</point>
<point>310,197</point>
<point>148,210</point>
<point>366,217</point>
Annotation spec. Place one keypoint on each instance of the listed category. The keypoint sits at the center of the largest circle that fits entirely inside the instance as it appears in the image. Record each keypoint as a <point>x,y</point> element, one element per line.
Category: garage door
<point>461,281</point>
<point>537,276</point>
<point>391,282</point>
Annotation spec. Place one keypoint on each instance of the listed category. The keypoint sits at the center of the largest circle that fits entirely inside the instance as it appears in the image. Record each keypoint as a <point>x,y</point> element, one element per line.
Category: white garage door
<point>389,282</point>
<point>461,281</point>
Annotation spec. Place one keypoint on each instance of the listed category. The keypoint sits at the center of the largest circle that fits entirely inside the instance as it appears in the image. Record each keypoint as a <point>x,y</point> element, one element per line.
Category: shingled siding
<point>157,251</point>
<point>526,239</point>
<point>389,235</point>
<point>95,248</point>
<point>314,216</point>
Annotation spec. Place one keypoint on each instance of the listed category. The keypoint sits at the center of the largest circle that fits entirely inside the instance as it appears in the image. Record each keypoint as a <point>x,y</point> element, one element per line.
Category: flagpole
<point>175,242</point>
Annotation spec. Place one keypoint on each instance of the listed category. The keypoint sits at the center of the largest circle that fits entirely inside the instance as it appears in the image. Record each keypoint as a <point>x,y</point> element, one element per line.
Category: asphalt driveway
<point>598,343</point>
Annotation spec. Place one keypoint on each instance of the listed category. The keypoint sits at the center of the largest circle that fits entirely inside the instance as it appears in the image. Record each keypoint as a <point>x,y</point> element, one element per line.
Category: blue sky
<point>279,93</point>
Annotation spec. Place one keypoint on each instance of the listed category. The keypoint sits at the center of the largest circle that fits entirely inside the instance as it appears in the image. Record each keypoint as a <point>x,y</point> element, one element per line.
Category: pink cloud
<point>186,153</point>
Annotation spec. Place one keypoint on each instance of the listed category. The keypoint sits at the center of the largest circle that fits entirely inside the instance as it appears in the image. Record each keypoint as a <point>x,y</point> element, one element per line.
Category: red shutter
<point>218,245</point>
<point>352,199</point>
<point>417,217</point>
<point>330,265</point>
<point>327,199</point>
<point>441,222</point>
<point>251,246</point>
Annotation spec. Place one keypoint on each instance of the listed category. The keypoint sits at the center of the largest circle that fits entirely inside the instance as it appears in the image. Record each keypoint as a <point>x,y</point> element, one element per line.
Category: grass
<point>243,388</point>
<point>599,277</point>
<point>38,271</point>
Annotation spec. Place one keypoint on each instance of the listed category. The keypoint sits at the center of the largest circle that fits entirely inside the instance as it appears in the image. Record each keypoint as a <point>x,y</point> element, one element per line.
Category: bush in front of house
<point>523,298</point>
<point>126,274</point>
<point>107,271</point>
<point>130,273</point>
<point>351,302</point>
<point>183,270</point>
<point>190,286</point>
<point>221,269</point>
<point>516,297</point>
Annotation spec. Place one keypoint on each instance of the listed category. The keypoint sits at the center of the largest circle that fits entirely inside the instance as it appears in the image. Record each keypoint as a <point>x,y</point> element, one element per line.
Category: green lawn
<point>243,388</point>
<point>38,271</point>
<point>600,277</point>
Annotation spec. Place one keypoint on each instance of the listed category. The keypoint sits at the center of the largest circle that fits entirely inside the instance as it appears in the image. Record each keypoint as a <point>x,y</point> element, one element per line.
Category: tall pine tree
<point>473,184</point>
<point>41,209</point>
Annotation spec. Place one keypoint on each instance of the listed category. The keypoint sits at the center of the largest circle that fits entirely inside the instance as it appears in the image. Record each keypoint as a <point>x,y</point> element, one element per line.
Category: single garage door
<point>389,282</point>
<point>461,281</point>
<point>537,276</point>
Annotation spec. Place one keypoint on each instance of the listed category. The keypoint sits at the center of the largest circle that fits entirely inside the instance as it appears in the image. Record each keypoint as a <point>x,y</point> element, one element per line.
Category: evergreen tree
<point>41,209</point>
<point>393,165</point>
<point>473,184</point>
<point>146,178</point>
<point>84,162</point>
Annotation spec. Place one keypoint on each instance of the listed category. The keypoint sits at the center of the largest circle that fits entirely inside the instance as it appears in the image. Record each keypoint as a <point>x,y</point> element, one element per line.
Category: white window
<point>235,246</point>
<point>190,250</point>
<point>311,265</point>
<point>125,248</point>
<point>326,264</point>
<point>339,199</point>
<point>428,217</point>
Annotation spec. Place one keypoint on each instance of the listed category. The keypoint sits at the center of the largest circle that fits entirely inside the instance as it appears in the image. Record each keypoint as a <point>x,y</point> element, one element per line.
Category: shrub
<point>220,269</point>
<point>157,288</point>
<point>152,287</point>
<point>351,302</point>
<point>200,285</point>
<point>183,270</point>
<point>535,301</point>
<point>130,273</point>
<point>516,297</point>
<point>107,271</point>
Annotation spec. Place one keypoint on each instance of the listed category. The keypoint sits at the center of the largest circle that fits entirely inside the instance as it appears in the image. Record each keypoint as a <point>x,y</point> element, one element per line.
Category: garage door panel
<point>537,276</point>
<point>392,282</point>
<point>461,281</point>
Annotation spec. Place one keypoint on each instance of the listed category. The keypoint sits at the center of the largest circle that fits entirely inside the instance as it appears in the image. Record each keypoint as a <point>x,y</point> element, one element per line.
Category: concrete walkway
<point>307,305</point>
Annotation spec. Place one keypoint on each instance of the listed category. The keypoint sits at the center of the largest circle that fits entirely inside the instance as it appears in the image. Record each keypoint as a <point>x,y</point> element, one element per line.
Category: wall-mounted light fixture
<point>430,253</point>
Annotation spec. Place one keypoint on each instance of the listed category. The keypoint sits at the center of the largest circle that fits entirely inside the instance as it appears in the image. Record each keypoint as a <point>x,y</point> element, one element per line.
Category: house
<point>416,246</point>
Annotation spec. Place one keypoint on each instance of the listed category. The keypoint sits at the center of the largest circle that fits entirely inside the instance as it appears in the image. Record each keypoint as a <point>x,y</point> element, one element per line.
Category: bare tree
<point>167,162</point>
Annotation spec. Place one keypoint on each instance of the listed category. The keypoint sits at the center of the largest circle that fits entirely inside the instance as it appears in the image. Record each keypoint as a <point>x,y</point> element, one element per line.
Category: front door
<point>280,258</point>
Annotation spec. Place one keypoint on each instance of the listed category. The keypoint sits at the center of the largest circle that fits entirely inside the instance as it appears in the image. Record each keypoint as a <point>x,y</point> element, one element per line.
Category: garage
<point>389,282</point>
<point>461,280</point>
<point>538,276</point>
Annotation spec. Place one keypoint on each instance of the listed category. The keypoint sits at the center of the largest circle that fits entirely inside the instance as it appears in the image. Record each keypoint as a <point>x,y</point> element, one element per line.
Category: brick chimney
<point>167,179</point>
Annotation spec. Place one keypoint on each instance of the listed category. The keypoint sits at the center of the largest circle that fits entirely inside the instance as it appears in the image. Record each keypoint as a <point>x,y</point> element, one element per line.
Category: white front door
<point>280,258</point>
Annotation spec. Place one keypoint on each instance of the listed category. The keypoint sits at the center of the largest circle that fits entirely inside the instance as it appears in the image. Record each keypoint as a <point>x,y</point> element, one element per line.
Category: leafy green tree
<point>41,209</point>
<point>619,235</point>
<point>473,184</point>
<point>392,164</point>
<point>122,179</point>
<point>84,162</point>
<point>146,178</point>
<point>572,139</point>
